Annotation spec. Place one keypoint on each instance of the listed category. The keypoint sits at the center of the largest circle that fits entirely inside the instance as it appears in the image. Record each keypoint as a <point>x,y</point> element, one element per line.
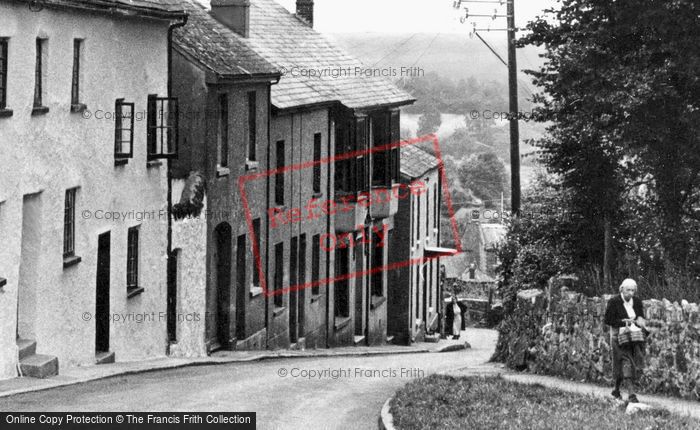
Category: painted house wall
<point>199,140</point>
<point>190,245</point>
<point>414,293</point>
<point>400,291</point>
<point>297,130</point>
<point>47,154</point>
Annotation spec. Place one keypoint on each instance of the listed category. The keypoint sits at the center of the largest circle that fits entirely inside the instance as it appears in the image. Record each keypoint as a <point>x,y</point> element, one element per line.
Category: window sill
<point>71,261</point>
<point>120,161</point>
<point>222,171</point>
<point>5,113</point>
<point>315,298</point>
<point>251,165</point>
<point>255,291</point>
<point>133,291</point>
<point>78,108</point>
<point>377,301</point>
<point>154,163</point>
<point>341,322</point>
<point>40,110</point>
<point>278,310</point>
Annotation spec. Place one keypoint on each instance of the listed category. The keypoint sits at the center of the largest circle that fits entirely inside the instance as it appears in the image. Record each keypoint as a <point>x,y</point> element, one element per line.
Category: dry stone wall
<point>564,335</point>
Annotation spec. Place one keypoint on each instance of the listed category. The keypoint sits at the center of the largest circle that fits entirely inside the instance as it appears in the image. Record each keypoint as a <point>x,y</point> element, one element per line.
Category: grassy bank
<point>438,402</point>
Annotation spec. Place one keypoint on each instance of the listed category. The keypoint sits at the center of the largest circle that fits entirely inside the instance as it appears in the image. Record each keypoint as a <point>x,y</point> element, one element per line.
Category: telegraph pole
<point>512,87</point>
<point>513,106</point>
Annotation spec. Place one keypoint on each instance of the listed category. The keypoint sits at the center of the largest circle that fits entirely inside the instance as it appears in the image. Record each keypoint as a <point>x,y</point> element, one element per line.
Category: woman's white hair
<point>629,282</point>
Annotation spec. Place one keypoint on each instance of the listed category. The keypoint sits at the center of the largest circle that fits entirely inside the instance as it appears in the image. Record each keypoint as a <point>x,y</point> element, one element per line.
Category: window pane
<point>279,177</point>
<point>223,130</point>
<point>162,127</point>
<point>317,167</point>
<point>132,265</point>
<point>252,125</point>
<point>38,74</point>
<point>3,73</point>
<point>69,224</point>
<point>75,90</point>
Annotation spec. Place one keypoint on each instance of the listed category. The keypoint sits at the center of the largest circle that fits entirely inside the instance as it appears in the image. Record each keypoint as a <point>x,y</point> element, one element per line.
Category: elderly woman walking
<point>625,310</point>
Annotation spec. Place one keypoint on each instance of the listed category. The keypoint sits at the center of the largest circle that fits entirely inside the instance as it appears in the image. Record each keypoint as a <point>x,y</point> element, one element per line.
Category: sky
<point>411,16</point>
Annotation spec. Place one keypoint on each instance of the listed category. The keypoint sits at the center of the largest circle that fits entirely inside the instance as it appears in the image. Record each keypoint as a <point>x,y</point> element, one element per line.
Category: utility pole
<point>512,86</point>
<point>513,106</point>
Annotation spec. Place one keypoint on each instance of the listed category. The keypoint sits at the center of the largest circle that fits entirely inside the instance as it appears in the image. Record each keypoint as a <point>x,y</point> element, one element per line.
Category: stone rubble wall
<point>564,335</point>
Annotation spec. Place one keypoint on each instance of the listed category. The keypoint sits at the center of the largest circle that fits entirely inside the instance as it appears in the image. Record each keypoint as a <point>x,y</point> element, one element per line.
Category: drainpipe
<point>169,249</point>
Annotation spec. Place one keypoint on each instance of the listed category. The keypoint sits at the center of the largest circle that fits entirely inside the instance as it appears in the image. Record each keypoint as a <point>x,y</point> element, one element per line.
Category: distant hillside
<point>451,55</point>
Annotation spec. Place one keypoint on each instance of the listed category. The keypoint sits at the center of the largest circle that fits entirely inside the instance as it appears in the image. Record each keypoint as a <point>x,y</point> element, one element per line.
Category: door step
<point>359,340</point>
<point>104,357</point>
<point>432,338</point>
<point>390,339</point>
<point>300,344</point>
<point>27,347</point>
<point>39,366</point>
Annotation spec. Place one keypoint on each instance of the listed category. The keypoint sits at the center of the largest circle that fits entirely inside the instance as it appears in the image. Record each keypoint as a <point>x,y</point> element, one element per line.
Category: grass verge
<point>447,402</point>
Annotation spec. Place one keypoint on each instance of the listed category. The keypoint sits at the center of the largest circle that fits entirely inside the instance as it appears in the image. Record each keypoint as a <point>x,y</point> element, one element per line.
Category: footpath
<point>81,374</point>
<point>679,406</point>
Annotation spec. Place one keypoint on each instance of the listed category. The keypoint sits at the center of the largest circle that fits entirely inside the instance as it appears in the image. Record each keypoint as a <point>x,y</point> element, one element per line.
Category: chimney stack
<point>305,11</point>
<point>235,14</point>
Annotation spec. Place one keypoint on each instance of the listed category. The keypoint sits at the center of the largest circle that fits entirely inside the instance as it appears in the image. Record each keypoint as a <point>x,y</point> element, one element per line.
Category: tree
<point>485,175</point>
<point>430,121</point>
<point>620,89</point>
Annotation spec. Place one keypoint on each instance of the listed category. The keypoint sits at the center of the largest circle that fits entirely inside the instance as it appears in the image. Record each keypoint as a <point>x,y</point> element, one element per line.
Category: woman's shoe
<point>616,394</point>
<point>632,399</point>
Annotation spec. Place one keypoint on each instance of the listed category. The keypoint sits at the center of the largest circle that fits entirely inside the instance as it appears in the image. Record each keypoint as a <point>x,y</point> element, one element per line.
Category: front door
<point>218,297</point>
<point>241,287</point>
<point>293,291</point>
<point>102,294</point>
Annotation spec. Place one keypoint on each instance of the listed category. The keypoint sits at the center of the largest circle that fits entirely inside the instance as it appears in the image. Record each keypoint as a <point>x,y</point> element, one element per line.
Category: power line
<point>426,50</point>
<point>394,49</point>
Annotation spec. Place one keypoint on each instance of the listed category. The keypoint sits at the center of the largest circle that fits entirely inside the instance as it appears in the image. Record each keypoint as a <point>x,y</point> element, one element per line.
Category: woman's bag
<point>630,334</point>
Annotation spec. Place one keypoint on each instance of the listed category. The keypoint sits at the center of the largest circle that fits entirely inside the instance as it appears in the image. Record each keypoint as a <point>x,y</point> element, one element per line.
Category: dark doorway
<point>359,289</point>
<point>341,283</point>
<point>294,290</point>
<point>172,296</point>
<point>241,289</point>
<point>218,296</point>
<point>424,284</point>
<point>102,294</point>
<point>301,281</point>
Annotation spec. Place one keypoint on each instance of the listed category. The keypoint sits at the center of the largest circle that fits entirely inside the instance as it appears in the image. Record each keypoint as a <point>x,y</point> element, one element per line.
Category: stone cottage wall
<point>564,335</point>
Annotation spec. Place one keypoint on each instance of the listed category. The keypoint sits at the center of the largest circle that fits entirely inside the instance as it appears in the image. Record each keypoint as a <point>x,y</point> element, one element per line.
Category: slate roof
<point>217,47</point>
<point>416,162</point>
<point>169,9</point>
<point>287,42</point>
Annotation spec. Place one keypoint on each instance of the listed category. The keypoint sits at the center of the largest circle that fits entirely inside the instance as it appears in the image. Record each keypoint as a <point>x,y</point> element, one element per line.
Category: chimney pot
<point>305,11</point>
<point>235,14</point>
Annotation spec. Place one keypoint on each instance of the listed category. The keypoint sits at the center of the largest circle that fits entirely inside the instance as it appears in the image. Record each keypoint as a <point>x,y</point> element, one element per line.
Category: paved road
<point>349,398</point>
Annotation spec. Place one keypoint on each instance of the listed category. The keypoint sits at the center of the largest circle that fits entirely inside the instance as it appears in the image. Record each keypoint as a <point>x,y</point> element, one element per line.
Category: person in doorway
<point>625,310</point>
<point>457,318</point>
